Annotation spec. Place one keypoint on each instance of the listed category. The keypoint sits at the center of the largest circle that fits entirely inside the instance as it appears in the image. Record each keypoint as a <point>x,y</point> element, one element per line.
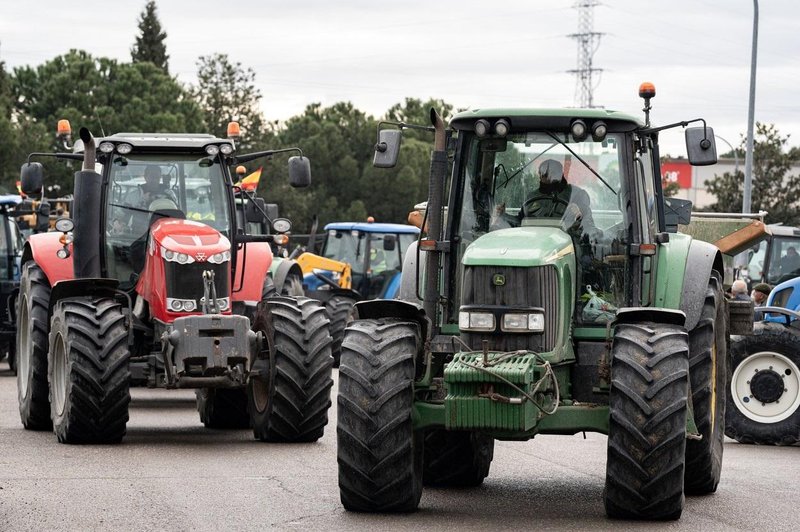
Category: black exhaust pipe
<point>436,182</point>
<point>86,214</point>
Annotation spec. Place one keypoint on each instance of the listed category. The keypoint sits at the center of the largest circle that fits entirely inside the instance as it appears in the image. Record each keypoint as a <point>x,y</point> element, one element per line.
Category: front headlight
<point>476,321</point>
<point>219,258</point>
<point>174,256</point>
<point>181,305</point>
<point>518,322</point>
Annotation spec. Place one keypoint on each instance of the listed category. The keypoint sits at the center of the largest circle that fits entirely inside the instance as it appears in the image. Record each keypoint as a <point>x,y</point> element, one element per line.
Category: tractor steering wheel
<point>539,197</point>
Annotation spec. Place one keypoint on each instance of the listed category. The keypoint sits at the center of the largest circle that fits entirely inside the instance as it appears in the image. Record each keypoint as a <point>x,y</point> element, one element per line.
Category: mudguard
<point>701,260</point>
<point>280,270</point>
<point>258,259</point>
<point>82,288</point>
<point>394,308</point>
<point>408,280</point>
<point>654,314</point>
<point>41,248</point>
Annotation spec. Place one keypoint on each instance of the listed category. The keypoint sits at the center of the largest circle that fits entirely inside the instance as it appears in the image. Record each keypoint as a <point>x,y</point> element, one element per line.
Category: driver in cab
<point>556,198</point>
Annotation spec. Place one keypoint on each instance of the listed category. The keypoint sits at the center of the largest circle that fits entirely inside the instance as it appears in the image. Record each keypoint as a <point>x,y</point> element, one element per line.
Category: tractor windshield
<point>533,178</point>
<point>546,179</point>
<point>178,186</point>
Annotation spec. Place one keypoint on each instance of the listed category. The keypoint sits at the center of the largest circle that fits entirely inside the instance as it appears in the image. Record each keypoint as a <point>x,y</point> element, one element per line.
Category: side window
<point>646,176</point>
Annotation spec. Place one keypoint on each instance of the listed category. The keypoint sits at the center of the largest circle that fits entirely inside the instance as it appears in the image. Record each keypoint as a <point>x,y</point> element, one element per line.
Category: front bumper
<point>210,350</point>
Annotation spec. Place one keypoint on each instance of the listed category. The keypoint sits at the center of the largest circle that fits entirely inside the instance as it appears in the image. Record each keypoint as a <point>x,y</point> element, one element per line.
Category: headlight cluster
<point>473,321</point>
<point>174,256</point>
<point>181,305</point>
<point>219,258</point>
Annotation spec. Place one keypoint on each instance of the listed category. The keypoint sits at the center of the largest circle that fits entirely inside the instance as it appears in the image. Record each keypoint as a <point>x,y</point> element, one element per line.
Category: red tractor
<point>155,283</point>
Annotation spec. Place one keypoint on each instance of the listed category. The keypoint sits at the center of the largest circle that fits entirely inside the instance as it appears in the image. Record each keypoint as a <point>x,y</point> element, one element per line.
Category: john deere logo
<point>499,279</point>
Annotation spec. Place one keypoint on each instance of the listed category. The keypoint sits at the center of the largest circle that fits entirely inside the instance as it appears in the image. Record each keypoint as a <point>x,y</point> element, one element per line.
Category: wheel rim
<point>753,387</point>
<point>24,354</point>
<point>59,384</point>
<point>260,394</point>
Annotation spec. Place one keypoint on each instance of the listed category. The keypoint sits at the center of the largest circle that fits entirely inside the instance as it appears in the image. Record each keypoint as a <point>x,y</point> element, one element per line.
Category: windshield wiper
<point>515,174</point>
<point>592,170</point>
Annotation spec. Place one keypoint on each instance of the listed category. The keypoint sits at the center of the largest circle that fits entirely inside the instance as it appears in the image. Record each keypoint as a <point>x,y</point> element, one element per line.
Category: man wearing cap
<point>759,295</point>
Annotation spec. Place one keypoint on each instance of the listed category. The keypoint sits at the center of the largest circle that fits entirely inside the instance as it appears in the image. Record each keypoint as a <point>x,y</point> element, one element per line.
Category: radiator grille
<point>531,287</point>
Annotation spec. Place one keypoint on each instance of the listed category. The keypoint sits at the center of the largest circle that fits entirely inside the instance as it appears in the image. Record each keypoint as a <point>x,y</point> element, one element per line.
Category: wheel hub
<point>766,386</point>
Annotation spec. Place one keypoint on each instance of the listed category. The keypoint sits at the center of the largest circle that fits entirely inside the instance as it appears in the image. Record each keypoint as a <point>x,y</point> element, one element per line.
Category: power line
<point>588,41</point>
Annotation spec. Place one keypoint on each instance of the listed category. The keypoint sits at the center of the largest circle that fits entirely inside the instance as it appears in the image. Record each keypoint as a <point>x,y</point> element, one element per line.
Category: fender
<point>654,314</point>
<point>82,288</point>
<point>41,248</point>
<point>702,259</point>
<point>395,308</point>
<point>281,271</point>
<point>256,261</point>
<point>408,277</point>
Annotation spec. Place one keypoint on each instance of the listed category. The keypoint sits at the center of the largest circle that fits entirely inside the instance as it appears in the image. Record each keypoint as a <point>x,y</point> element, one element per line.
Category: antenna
<point>97,116</point>
<point>588,41</point>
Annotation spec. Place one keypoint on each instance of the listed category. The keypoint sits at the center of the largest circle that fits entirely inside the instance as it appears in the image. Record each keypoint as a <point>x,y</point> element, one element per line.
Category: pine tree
<point>149,44</point>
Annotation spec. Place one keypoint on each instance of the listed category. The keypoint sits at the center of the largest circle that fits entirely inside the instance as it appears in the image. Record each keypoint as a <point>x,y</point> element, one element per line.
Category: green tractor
<point>552,300</point>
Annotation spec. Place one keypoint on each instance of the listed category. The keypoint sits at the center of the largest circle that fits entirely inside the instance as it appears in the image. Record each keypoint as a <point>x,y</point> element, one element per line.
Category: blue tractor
<point>358,261</point>
<point>764,391</point>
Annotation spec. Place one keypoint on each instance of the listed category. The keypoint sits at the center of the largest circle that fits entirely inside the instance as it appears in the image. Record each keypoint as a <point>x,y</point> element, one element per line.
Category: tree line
<point>110,96</point>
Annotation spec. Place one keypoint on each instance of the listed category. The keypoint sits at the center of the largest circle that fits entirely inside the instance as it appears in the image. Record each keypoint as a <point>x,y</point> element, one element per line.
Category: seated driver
<point>152,188</point>
<point>558,199</point>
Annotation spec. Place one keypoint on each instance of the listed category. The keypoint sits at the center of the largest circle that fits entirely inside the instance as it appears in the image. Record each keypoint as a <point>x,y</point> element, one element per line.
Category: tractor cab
<point>374,251</point>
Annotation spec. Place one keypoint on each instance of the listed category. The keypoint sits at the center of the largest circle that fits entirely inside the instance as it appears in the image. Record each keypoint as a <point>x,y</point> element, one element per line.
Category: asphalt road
<point>170,473</point>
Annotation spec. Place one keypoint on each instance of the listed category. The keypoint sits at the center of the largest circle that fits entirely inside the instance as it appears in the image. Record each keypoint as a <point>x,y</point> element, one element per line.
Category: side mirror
<point>700,146</point>
<point>272,210</point>
<point>251,211</point>
<point>31,177</point>
<point>389,242</point>
<point>388,148</point>
<point>299,171</point>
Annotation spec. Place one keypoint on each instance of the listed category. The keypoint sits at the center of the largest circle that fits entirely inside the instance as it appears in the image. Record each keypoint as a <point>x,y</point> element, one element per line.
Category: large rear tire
<point>88,371</point>
<point>379,453</point>
<point>764,392</point>
<point>223,408</point>
<point>290,396</point>
<point>456,458</point>
<point>708,377</point>
<point>341,311</point>
<point>33,326</point>
<point>648,400</point>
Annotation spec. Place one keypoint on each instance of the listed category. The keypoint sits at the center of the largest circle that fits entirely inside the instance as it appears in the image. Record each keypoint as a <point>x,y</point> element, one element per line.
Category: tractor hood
<point>519,246</point>
<point>195,239</point>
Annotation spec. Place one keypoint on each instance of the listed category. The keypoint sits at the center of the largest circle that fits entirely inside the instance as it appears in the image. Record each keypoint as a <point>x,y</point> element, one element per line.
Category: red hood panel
<point>187,236</point>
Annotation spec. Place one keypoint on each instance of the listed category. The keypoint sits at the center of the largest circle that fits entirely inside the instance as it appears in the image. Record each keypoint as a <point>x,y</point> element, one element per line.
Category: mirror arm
<point>72,156</point>
<point>246,158</point>
<point>381,146</point>
<point>676,124</point>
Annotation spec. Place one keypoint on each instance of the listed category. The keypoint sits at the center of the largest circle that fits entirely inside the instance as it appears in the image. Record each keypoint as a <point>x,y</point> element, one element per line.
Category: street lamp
<point>748,156</point>
<point>735,157</point>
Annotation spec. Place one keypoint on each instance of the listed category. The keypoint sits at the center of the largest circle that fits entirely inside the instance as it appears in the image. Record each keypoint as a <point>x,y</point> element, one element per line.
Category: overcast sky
<point>471,53</point>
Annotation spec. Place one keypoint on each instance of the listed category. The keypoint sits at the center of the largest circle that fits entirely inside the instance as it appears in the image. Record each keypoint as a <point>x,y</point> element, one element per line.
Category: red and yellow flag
<point>251,182</point>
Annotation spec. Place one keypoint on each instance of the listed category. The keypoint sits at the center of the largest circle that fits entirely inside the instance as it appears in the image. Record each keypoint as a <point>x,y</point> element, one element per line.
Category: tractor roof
<point>526,118</point>
<point>373,227</point>
<point>170,141</point>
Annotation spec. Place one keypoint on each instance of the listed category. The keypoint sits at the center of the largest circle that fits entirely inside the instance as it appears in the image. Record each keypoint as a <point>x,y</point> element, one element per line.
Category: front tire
<point>708,374</point>
<point>379,452</point>
<point>33,326</point>
<point>764,392</point>
<point>290,397</point>
<point>456,458</point>
<point>648,399</point>
<point>88,371</point>
<point>223,408</point>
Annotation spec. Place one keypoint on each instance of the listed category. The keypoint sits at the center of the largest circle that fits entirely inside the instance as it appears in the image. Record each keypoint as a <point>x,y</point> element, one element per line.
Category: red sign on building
<point>677,172</point>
